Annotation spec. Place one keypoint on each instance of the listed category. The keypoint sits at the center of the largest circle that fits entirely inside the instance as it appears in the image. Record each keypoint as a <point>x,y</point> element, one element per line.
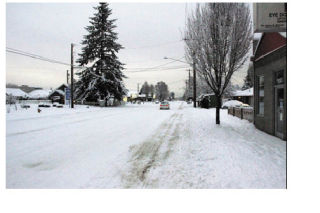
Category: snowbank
<point>232,103</point>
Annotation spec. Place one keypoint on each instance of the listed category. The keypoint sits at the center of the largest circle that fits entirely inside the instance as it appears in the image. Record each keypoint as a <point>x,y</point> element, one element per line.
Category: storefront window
<point>261,95</point>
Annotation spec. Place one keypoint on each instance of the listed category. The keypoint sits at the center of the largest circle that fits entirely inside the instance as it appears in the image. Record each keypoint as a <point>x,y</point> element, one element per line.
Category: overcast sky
<point>148,32</point>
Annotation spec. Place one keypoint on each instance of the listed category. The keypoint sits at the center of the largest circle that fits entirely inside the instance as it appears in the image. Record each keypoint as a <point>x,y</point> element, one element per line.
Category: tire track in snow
<point>152,152</point>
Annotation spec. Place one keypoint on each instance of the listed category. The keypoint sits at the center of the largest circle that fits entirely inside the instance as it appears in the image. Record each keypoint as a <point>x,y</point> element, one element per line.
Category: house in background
<point>151,97</point>
<point>142,97</point>
<point>245,96</point>
<point>270,84</point>
<point>131,96</point>
<point>16,94</point>
<point>58,95</point>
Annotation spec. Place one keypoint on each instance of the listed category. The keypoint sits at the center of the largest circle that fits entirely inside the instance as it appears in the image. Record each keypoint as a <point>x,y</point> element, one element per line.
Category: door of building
<point>279,111</point>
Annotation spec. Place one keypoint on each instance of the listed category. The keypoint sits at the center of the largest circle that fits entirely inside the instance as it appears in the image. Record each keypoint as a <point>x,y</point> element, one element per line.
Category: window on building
<point>279,78</point>
<point>261,95</point>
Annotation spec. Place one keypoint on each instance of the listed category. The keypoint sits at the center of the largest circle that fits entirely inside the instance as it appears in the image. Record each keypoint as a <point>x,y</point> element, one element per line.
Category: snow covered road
<point>139,146</point>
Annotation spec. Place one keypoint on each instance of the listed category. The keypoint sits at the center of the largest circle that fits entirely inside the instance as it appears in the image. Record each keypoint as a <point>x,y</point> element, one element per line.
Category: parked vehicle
<point>25,106</point>
<point>245,105</point>
<point>44,105</point>
<point>157,102</point>
<point>189,101</point>
<point>164,105</point>
<point>10,101</point>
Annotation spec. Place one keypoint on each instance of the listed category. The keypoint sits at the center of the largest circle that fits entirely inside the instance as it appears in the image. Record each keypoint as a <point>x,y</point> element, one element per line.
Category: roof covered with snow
<point>39,93</point>
<point>257,36</point>
<point>16,92</point>
<point>58,91</point>
<point>247,92</point>
<point>283,34</point>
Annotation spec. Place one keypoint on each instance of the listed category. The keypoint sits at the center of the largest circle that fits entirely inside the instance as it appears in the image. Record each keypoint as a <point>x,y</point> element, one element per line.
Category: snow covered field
<point>139,146</point>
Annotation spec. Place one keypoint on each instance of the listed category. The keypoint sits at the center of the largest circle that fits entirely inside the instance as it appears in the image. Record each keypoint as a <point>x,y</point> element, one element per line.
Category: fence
<point>87,103</point>
<point>95,103</point>
<point>33,101</point>
<point>242,113</point>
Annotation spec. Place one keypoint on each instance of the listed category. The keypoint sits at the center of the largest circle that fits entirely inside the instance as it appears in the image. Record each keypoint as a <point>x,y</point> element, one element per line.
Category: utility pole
<point>138,89</point>
<point>187,91</point>
<point>189,80</point>
<point>68,77</point>
<point>194,82</point>
<point>189,84</point>
<point>72,75</point>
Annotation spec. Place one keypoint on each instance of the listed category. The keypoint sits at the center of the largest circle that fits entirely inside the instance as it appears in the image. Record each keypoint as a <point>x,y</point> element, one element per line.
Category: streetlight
<point>194,78</point>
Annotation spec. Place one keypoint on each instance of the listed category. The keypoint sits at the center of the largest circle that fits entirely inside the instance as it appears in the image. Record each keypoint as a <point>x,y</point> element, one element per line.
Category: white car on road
<point>164,105</point>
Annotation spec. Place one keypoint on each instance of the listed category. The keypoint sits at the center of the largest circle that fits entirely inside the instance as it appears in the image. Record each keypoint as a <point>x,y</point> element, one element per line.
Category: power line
<point>139,62</point>
<point>158,68</point>
<point>19,52</point>
<point>150,46</point>
<point>143,69</point>
<point>162,69</point>
<point>39,57</point>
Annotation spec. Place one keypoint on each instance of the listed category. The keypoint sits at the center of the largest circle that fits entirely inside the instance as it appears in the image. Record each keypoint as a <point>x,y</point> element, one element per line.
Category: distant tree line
<point>159,91</point>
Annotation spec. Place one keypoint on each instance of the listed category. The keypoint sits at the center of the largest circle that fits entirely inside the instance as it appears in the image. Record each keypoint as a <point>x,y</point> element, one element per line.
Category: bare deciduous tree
<point>145,89</point>
<point>218,38</point>
<point>161,89</point>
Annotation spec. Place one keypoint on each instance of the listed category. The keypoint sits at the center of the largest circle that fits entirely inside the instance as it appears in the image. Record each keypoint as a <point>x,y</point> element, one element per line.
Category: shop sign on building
<point>270,17</point>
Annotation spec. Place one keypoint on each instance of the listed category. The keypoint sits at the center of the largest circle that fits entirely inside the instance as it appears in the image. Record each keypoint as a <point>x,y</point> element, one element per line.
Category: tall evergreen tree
<point>102,77</point>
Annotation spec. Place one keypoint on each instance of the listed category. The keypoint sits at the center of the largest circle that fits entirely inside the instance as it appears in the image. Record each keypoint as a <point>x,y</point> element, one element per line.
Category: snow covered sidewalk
<point>205,155</point>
